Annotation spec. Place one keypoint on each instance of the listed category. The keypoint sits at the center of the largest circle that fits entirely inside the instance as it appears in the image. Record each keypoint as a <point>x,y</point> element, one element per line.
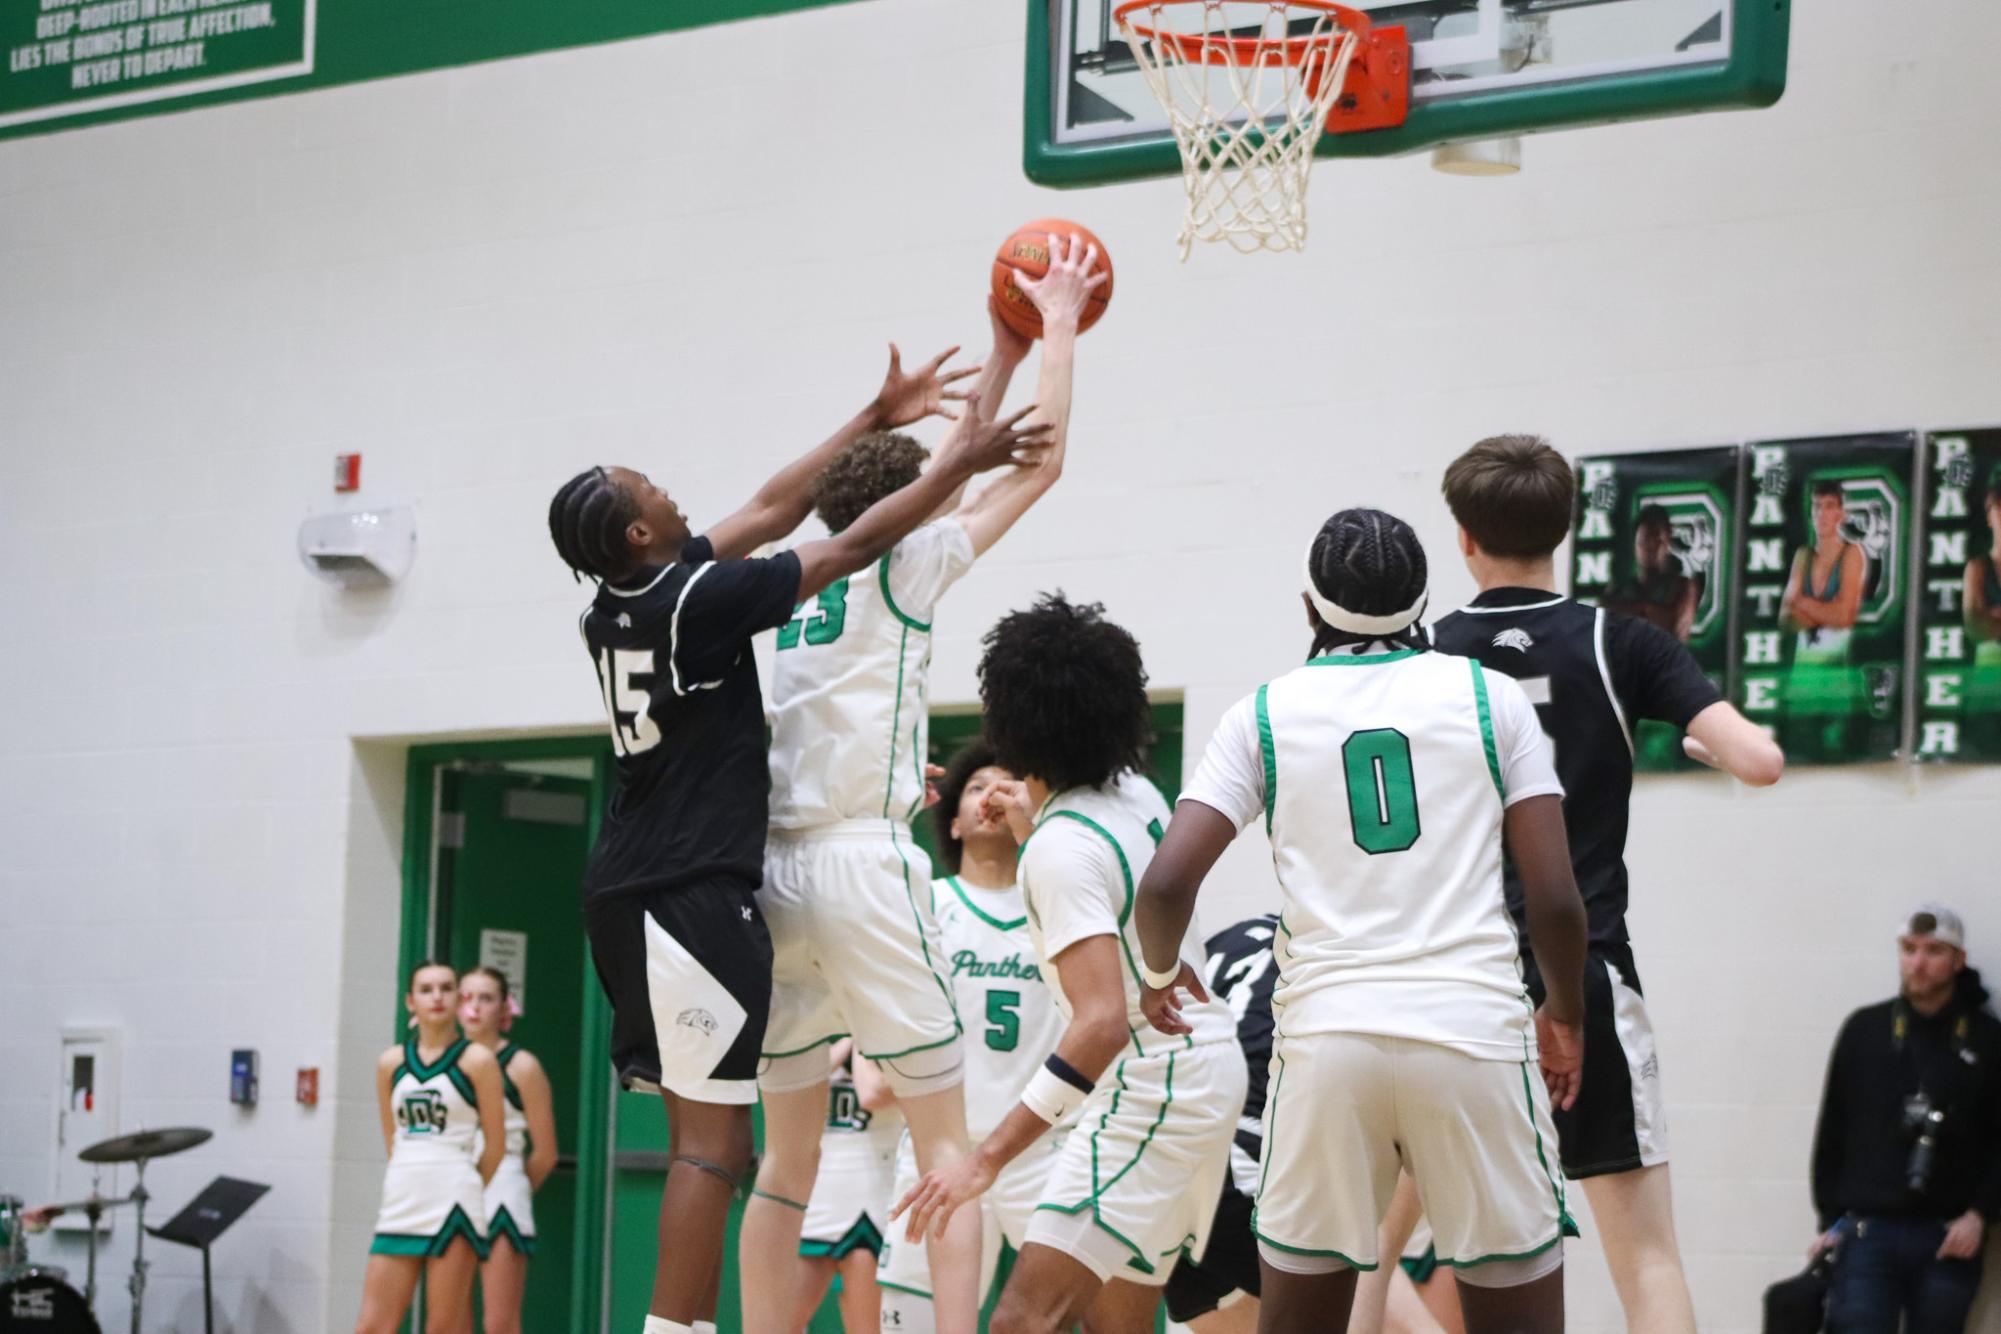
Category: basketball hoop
<point>1249,87</point>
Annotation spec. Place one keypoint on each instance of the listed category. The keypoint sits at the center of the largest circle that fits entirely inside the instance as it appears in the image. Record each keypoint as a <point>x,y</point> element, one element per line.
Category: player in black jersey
<point>1592,675</point>
<point>669,892</point>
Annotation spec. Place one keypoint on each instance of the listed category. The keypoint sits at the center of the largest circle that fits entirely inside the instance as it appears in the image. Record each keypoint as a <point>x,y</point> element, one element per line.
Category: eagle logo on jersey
<point>697,1018</point>
<point>1515,638</point>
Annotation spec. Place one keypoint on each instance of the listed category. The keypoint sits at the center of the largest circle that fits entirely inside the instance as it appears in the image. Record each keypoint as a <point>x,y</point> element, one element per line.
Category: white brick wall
<point>686,253</point>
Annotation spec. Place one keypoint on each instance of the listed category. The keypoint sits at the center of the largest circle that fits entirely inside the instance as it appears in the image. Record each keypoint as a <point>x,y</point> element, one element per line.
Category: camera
<point>1923,1119</point>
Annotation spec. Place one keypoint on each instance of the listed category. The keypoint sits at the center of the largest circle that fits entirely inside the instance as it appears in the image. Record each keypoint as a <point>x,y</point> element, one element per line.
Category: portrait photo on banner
<point>1656,538</point>
<point>1823,589</point>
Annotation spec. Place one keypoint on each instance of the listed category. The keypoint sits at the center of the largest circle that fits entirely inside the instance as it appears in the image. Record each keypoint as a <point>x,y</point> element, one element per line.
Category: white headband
<point>1340,618</point>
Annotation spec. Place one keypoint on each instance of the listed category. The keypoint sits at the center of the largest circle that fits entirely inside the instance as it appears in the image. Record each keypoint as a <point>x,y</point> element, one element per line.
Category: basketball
<point>1027,251</point>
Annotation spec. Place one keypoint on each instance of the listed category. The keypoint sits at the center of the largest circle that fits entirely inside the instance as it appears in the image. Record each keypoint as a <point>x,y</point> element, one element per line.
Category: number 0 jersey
<point>673,657</point>
<point>849,686</point>
<point>1381,779</point>
<point>1010,1018</point>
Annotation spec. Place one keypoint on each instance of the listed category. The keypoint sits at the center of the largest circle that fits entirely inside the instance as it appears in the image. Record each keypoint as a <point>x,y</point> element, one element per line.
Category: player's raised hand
<point>1562,1057</point>
<point>990,444</point>
<point>1163,1007</point>
<point>932,1201</point>
<point>1007,802</point>
<point>932,773</point>
<point>907,397</point>
<point>1060,293</point>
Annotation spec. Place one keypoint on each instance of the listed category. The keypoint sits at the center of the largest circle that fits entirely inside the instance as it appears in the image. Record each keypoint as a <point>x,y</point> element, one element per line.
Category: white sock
<point>656,1324</point>
<point>705,1327</point>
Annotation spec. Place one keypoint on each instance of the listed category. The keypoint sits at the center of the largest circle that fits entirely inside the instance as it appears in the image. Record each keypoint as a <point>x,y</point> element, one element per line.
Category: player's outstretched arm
<point>1061,296</point>
<point>1533,831</point>
<point>1725,739</point>
<point>1092,1040</point>
<point>783,503</point>
<point>1195,838</point>
<point>975,445</point>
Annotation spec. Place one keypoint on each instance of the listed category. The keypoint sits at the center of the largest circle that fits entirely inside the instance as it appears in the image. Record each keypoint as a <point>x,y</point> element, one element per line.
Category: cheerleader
<point>529,1115</point>
<point>440,1097</point>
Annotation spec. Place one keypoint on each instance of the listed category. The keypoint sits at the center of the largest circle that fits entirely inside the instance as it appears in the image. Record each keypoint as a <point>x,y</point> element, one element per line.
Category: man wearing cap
<point>1907,1153</point>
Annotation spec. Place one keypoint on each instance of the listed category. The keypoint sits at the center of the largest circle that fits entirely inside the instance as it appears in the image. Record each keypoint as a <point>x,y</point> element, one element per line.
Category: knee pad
<point>1511,1273</point>
<point>1291,1262</point>
<point>931,1070</point>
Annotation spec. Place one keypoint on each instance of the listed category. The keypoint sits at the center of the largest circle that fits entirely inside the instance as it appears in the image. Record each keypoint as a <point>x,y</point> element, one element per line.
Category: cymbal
<point>145,1144</point>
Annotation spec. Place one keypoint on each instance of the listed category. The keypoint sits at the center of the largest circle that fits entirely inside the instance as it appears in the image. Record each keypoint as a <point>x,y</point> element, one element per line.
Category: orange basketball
<point>1027,251</point>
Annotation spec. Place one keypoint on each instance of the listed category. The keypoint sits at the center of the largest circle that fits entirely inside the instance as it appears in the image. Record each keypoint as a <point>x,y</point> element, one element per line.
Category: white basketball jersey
<point>848,687</point>
<point>1080,870</point>
<point>436,1110</point>
<point>1384,795</point>
<point>1011,1019</point>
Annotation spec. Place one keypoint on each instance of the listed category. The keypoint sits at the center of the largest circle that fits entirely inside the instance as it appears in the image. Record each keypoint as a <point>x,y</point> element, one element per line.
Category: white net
<point>1247,85</point>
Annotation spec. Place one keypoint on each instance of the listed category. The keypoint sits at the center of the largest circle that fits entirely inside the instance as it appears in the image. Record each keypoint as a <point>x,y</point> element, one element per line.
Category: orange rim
<point>1244,50</point>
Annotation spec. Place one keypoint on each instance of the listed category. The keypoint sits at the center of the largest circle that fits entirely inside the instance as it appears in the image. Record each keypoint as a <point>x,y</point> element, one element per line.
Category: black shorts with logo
<point>1619,1122</point>
<point>688,974</point>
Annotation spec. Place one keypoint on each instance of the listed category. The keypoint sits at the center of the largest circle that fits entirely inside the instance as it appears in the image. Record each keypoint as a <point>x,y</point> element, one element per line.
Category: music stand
<point>208,1216</point>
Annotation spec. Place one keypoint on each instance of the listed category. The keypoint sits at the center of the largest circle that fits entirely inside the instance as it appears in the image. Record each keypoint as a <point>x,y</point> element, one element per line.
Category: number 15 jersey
<point>1381,779</point>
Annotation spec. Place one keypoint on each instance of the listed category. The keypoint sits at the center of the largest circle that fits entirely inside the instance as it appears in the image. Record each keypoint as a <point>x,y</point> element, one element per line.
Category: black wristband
<point>1067,1072</point>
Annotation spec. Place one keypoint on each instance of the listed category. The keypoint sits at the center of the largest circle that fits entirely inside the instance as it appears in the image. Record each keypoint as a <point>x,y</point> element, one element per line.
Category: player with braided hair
<point>669,891</point>
<point>1405,1038</point>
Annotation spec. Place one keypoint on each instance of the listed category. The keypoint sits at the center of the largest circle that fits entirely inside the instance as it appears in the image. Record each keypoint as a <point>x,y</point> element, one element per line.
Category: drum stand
<point>137,1284</point>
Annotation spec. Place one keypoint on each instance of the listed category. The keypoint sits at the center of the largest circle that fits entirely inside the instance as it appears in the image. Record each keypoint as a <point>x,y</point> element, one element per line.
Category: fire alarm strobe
<point>347,472</point>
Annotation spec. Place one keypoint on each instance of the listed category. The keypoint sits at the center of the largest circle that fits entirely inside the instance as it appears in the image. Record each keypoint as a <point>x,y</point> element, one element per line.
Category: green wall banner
<point>1959,617</point>
<point>1657,538</point>
<point>1824,585</point>
<point>71,62</point>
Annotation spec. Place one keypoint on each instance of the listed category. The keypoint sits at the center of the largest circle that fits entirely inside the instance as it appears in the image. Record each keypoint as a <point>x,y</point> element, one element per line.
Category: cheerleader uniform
<point>510,1198</point>
<point>432,1194</point>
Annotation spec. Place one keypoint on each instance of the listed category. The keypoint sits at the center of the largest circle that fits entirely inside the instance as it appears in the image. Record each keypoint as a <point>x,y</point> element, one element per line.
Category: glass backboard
<point>1481,69</point>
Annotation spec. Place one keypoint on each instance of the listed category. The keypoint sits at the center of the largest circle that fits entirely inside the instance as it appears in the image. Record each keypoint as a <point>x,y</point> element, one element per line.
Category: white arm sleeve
<point>1528,765</point>
<point>926,563</point>
<point>1231,779</point>
<point>1073,885</point>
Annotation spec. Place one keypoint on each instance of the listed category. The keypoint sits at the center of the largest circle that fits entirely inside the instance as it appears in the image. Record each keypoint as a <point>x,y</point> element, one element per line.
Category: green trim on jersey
<point>464,1086</point>
<point>895,723</point>
<point>862,1235</point>
<point>1343,1257</point>
<point>446,1059</point>
<point>507,1086</point>
<point>889,599</point>
<point>1359,660</point>
<point>1271,1120</point>
<point>816,1042</point>
<point>1139,1260</point>
<point>1487,728</point>
<point>979,912</point>
<point>1268,747</point>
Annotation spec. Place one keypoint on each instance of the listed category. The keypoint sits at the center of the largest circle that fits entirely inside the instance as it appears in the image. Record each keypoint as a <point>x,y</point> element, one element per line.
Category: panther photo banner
<point>1959,600</point>
<point>1656,538</point>
<point>1824,585</point>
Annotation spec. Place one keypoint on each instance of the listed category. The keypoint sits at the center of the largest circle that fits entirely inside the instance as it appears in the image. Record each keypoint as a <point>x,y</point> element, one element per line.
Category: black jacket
<point>1861,1145</point>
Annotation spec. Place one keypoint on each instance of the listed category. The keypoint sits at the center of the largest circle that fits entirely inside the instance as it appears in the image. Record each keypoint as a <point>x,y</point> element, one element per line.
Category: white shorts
<point>510,1206</point>
<point>427,1204</point>
<point>1348,1109</point>
<point>855,952</point>
<point>849,1207</point>
<point>1137,1182</point>
<point>1005,1213</point>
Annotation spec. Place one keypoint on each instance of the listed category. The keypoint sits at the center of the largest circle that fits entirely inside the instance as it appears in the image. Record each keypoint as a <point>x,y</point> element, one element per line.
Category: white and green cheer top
<point>1381,779</point>
<point>849,687</point>
<point>436,1110</point>
<point>1010,1017</point>
<point>1080,870</point>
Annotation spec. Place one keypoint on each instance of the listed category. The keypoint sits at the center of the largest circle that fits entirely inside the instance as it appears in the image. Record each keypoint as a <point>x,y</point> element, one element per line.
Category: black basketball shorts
<point>1228,1267</point>
<point>688,974</point>
<point>1619,1121</point>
